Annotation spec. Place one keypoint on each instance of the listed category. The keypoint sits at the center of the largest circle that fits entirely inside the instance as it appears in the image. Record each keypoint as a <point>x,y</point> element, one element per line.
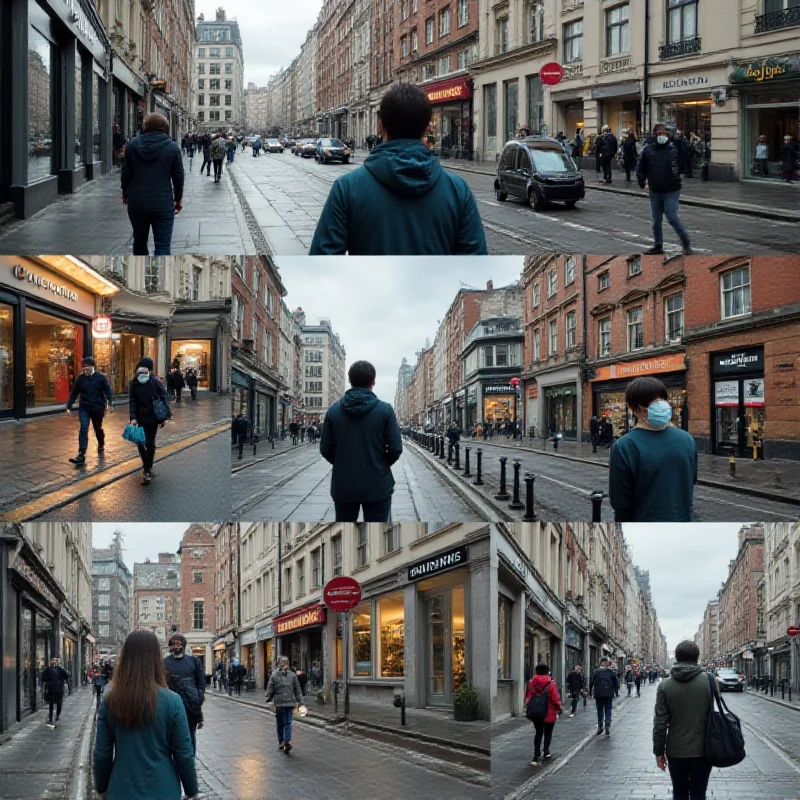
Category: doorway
<point>445,645</point>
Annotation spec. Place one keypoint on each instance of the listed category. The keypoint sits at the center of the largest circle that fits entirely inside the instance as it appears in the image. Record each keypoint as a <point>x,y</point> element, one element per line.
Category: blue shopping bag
<point>134,434</point>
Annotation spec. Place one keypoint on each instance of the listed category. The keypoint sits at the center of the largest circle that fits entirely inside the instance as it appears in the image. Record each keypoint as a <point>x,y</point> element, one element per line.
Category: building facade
<point>256,108</point>
<point>112,598</point>
<point>157,597</point>
<point>226,591</point>
<point>197,568</point>
<point>323,362</point>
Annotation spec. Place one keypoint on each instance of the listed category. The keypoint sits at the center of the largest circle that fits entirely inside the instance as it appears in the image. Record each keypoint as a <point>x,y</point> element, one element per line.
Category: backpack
<point>536,708</point>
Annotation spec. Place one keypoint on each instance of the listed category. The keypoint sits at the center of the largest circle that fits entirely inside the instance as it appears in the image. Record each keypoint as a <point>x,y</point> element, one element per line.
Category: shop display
<point>362,641</point>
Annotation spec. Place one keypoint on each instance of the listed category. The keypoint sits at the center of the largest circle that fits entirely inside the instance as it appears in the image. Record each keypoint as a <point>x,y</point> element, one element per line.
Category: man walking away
<point>604,684</point>
<point>96,395</point>
<point>284,689</point>
<point>205,144</point>
<point>53,680</point>
<point>186,678</point>
<point>230,147</point>
<point>236,675</point>
<point>659,168</point>
<point>637,679</point>
<point>240,432</point>
<point>294,430</point>
<point>607,149</point>
<point>218,154</point>
<point>361,438</point>
<point>629,679</point>
<point>653,467</point>
<point>679,724</point>
<point>576,684</point>
<point>401,201</point>
<point>191,382</point>
<point>152,185</point>
<point>178,382</point>
<point>542,707</point>
<point>312,434</point>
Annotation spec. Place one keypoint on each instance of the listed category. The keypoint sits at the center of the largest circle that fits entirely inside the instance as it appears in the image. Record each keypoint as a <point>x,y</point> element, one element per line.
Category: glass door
<point>6,357</point>
<point>437,667</point>
<point>27,671</point>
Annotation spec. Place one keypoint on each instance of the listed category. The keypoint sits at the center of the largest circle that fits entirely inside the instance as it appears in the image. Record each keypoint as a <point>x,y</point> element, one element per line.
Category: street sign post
<point>342,594</point>
<point>793,630</point>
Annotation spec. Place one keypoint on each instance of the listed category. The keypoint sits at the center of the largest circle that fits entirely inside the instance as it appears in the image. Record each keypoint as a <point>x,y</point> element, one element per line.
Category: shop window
<point>504,638</point>
<point>634,267</point>
<point>362,640</point>
<point>681,20</point>
<point>573,42</point>
<point>194,354</point>
<point>199,616</point>
<point>429,30</point>
<point>603,281</point>
<point>572,323</point>
<point>501,36</point>
<point>553,338</point>
<point>537,346</point>
<point>635,329</point>
<point>53,352</point>
<point>41,87</point>
<point>569,271</point>
<point>605,337</point>
<point>535,21</point>
<point>673,309</point>
<point>552,283</point>
<point>391,619</point>
<point>735,288</point>
<point>6,357</point>
<point>362,546</point>
<point>617,30</point>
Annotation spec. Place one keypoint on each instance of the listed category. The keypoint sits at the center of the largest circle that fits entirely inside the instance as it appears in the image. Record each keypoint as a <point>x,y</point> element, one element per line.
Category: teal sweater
<point>401,202</point>
<point>652,476</point>
<point>149,762</point>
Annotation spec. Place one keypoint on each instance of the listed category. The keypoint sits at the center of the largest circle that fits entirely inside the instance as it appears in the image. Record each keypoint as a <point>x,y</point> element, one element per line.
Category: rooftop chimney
<point>166,558</point>
<point>489,286</point>
<point>220,14</point>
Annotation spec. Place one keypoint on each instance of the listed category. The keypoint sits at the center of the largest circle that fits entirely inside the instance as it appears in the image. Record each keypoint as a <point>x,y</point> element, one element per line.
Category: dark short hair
<point>643,391</point>
<point>687,650</point>
<point>361,374</point>
<point>659,126</point>
<point>405,111</point>
<point>87,361</point>
<point>155,123</point>
<point>542,669</point>
<point>177,637</point>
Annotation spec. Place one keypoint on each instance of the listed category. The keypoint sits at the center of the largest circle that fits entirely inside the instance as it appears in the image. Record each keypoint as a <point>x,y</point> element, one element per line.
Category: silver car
<point>729,680</point>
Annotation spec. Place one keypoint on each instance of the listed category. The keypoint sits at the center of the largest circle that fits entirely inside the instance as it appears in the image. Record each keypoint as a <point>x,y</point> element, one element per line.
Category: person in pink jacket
<point>542,707</point>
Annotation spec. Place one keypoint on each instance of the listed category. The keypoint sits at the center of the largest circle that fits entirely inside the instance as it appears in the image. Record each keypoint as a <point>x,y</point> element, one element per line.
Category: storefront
<point>197,338</point>
<point>610,382</point>
<point>574,643</point>
<point>265,655</point>
<point>300,635</point>
<point>128,99</point>
<point>499,403</point>
<point>265,410</point>
<point>118,355</point>
<point>618,105</point>
<point>450,134</point>
<point>247,651</point>
<point>738,403</point>
<point>561,410</point>
<point>240,394</point>
<point>196,354</point>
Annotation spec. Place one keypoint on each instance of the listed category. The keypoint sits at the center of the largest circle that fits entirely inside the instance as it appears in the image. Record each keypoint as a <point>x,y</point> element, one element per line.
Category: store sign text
<point>683,83</point>
<point>454,91</point>
<point>769,69</point>
<point>302,619</point>
<point>431,566</point>
<point>670,363</point>
<point>80,20</point>
<point>30,575</point>
<point>500,389</point>
<point>22,274</point>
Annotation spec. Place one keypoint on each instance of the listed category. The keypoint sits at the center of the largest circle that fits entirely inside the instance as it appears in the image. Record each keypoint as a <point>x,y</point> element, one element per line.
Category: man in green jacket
<point>679,724</point>
<point>401,201</point>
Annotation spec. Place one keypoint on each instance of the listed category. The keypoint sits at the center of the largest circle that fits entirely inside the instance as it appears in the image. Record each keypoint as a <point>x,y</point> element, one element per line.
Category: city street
<point>586,767</point>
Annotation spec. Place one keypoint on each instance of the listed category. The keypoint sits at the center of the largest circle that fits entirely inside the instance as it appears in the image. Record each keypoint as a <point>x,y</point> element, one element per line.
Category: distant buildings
<point>112,598</point>
<point>157,597</point>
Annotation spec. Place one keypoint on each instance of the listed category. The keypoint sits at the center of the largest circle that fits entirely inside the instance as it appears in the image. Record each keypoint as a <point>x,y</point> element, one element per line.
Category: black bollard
<point>403,710</point>
<point>441,448</point>
<point>467,473</point>
<point>273,442</point>
<point>790,692</point>
<point>478,479</point>
<point>516,502</point>
<point>255,443</point>
<point>503,493</point>
<point>783,690</point>
<point>457,465</point>
<point>530,511</point>
<point>597,505</point>
<point>449,453</point>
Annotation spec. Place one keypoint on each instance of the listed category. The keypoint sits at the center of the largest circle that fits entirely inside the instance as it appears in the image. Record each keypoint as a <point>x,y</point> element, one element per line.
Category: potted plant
<point>465,704</point>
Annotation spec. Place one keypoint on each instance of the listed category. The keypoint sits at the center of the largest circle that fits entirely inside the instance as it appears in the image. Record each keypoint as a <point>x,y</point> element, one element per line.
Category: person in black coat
<point>294,431</point>
<point>576,683</point>
<point>96,395</point>
<point>205,145</point>
<point>152,185</point>
<point>191,382</point>
<point>789,157</point>
<point>607,150</point>
<point>53,680</point>
<point>240,432</point>
<point>629,154</point>
<point>178,383</point>
<point>185,677</point>
<point>145,389</point>
<point>361,438</point>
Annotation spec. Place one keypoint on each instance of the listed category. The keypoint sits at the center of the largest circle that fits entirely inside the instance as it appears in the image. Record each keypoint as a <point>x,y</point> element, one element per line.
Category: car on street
<point>298,146</point>
<point>309,149</point>
<point>332,150</point>
<point>288,144</point>
<point>538,170</point>
<point>273,146</point>
<point>729,680</point>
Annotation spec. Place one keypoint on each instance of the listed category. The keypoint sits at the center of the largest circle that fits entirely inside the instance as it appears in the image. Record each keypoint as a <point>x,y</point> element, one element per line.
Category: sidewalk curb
<point>254,499</point>
<point>81,783</point>
<point>278,452</point>
<point>783,703</point>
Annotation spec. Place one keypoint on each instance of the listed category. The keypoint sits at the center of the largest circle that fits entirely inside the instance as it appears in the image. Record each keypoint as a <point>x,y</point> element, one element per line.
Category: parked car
<point>537,169</point>
<point>309,149</point>
<point>332,150</point>
<point>729,680</point>
<point>273,146</point>
<point>288,144</point>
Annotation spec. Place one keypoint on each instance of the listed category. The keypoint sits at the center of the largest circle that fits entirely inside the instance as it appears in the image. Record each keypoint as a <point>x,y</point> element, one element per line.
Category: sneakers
<point>78,460</point>
<point>535,762</point>
<point>608,731</point>
<point>146,478</point>
<point>287,746</point>
<point>571,716</point>
<point>281,746</point>
<point>655,250</point>
<point>599,731</point>
<point>546,757</point>
<point>687,249</point>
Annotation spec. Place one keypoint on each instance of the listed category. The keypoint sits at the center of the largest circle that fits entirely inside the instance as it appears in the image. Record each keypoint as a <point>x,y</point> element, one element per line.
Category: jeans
<point>217,168</point>
<point>283,720</point>
<point>542,729</point>
<point>162,223</point>
<point>56,698</point>
<point>193,734</point>
<point>607,161</point>
<point>575,700</point>
<point>95,417</point>
<point>206,160</point>
<point>147,451</point>
<point>666,204</point>
<point>630,687</point>
<point>230,156</point>
<point>604,705</point>
<point>689,778</point>
<point>377,511</point>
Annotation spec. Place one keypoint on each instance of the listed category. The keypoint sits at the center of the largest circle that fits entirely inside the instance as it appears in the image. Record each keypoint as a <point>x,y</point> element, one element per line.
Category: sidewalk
<point>776,698</point>
<point>753,198</point>
<point>264,451</point>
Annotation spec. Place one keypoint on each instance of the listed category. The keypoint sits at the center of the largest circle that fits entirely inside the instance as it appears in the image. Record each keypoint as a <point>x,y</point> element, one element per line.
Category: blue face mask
<point>659,414</point>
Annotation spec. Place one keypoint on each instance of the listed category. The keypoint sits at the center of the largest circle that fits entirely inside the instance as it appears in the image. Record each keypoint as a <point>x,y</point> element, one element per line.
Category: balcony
<point>677,49</point>
<point>778,19</point>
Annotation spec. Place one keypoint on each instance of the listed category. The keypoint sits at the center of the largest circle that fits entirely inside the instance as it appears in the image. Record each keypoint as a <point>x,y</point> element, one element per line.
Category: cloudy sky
<point>385,308</point>
<point>687,564</point>
<point>272,32</point>
<point>140,542</point>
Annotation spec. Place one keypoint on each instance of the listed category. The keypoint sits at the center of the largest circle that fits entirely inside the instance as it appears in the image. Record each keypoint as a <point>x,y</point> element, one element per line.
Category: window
<point>201,83</point>
<point>152,275</point>
<point>635,267</point>
<point>573,42</point>
<point>201,116</point>
<point>228,69</point>
<point>301,577</point>
<point>362,546</point>
<point>228,84</point>
<point>199,616</point>
<point>537,345</point>
<point>213,99</point>
<point>681,20</point>
<point>617,30</point>
<point>201,99</point>
<point>228,100</point>
<point>195,286</point>
<point>403,10</point>
<point>572,324</point>
<point>603,281</point>
<point>487,356</point>
<point>228,52</point>
<point>104,631</point>
<point>553,337</point>
<point>316,574</point>
<point>404,46</point>
<point>444,22</point>
<point>104,584</point>
<point>569,271</point>
<point>635,329</point>
<point>214,69</point>
<point>336,542</point>
<point>391,628</point>
<point>537,294</point>
<point>504,637</point>
<point>444,64</point>
<point>214,52</point>
<point>104,600</point>
<point>197,576</point>
<point>362,640</point>
<point>414,41</point>
<point>673,307</point>
<point>287,584</point>
<point>501,355</point>
<point>201,52</point>
<point>735,293</point>
<point>535,21</point>
<point>214,84</point>
<point>391,539</point>
<point>201,69</point>
<point>605,336</point>
<point>228,115</point>
<point>463,13</point>
<point>429,30</point>
<point>501,36</point>
<point>463,58</point>
<point>552,283</point>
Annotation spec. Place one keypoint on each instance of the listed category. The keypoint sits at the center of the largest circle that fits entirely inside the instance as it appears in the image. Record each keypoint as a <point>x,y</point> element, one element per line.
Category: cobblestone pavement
<point>94,221</point>
<point>36,761</point>
<point>295,486</point>
<point>624,767</point>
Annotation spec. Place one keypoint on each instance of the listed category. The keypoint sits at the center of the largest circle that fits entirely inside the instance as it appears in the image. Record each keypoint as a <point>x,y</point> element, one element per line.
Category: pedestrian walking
<point>637,679</point>
<point>96,399</point>
<point>629,154</point>
<point>236,676</point>
<point>761,166</point>
<point>679,724</point>
<point>205,146</point>
<point>302,678</point>
<point>294,431</point>
<point>152,185</point>
<point>312,434</point>
<point>230,148</point>
<point>594,432</point>
<point>542,707</point>
<point>789,159</point>
<point>659,169</point>
<point>577,149</point>
<point>361,438</point>
<point>240,432</point>
<point>222,676</point>
<point>178,382</point>
<point>219,152</point>
<point>185,677</point>
<point>629,679</point>
<point>604,684</point>
<point>283,688</point>
<point>53,680</point>
<point>191,383</point>
<point>653,467</point>
<point>99,682</point>
<point>400,201</point>
<point>607,150</point>
<point>142,744</point>
<point>576,686</point>
<point>148,406</point>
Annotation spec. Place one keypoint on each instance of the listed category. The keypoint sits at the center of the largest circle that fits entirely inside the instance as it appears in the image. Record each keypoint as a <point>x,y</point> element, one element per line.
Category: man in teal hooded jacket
<point>361,438</point>
<point>401,202</point>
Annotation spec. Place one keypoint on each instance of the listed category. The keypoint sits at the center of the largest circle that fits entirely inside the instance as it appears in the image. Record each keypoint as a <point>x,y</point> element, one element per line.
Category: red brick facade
<point>197,588</point>
<point>334,68</point>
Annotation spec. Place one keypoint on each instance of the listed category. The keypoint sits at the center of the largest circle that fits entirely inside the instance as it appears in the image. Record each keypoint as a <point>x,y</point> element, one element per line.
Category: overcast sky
<point>140,541</point>
<point>272,32</point>
<point>688,563</point>
<point>384,308</point>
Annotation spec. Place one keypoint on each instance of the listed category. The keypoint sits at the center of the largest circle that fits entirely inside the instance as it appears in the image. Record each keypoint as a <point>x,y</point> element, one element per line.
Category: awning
<point>89,638</point>
<point>81,273</point>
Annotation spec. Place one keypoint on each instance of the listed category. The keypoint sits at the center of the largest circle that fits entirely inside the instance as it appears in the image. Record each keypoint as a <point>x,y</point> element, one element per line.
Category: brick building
<point>382,56</point>
<point>226,590</point>
<point>157,597</point>
<point>420,390</point>
<point>743,343</point>
<point>334,67</point>
<point>197,597</point>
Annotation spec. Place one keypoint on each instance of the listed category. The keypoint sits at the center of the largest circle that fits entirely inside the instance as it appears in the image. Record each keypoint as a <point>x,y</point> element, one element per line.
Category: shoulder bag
<point>724,738</point>
<point>160,408</point>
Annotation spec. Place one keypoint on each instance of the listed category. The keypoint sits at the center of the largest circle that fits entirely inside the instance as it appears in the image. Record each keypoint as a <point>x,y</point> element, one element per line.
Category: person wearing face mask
<point>284,690</point>
<point>144,391</point>
<point>660,170</point>
<point>96,395</point>
<point>653,467</point>
<point>186,677</point>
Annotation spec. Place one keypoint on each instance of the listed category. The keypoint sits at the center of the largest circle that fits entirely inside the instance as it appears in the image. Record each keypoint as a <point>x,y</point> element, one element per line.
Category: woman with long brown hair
<point>142,745</point>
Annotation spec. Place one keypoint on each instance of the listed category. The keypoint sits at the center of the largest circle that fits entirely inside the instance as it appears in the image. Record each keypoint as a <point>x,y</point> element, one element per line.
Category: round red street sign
<point>342,594</point>
<point>515,381</point>
<point>551,74</point>
<point>793,630</point>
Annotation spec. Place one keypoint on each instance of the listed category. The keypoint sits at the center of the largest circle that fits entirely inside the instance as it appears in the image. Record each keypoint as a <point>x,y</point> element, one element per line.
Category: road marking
<point>747,508</point>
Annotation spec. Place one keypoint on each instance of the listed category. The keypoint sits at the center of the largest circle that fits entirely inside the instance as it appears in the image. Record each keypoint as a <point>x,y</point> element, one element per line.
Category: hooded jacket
<point>604,683</point>
<point>152,174</point>
<point>536,685</point>
<point>401,202</point>
<point>186,678</point>
<point>361,438</point>
<point>53,679</point>
<point>660,168</point>
<point>682,706</point>
<point>576,682</point>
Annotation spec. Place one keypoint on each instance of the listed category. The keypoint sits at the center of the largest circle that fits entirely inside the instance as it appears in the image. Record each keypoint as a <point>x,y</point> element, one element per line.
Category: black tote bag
<point>724,738</point>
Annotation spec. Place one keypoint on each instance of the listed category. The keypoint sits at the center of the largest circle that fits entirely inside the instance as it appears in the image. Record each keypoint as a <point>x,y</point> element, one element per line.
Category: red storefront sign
<point>301,618</point>
<point>551,74</point>
<point>342,594</point>
<point>444,92</point>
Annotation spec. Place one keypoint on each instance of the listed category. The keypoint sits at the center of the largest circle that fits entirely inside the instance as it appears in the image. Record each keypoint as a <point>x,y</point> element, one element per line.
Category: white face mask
<point>662,139</point>
<point>142,377</point>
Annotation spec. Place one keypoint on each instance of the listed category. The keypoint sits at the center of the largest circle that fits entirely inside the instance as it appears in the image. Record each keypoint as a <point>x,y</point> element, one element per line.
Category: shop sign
<point>35,580</point>
<point>619,90</point>
<point>552,73</point>
<point>229,639</point>
<point>294,621</point>
<point>41,282</point>
<point>615,65</point>
<point>633,369</point>
<point>533,391</point>
<point>80,21</point>
<point>458,89</point>
<point>158,85</point>
<point>89,638</point>
<point>101,327</point>
<point>754,392</point>
<point>499,388</point>
<point>766,69</point>
<point>517,563</point>
<point>572,637</point>
<point>342,594</point>
<point>726,394</point>
<point>748,360</point>
<point>436,564</point>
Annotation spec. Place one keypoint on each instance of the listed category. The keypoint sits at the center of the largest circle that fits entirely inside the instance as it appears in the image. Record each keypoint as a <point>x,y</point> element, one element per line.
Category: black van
<point>538,169</point>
